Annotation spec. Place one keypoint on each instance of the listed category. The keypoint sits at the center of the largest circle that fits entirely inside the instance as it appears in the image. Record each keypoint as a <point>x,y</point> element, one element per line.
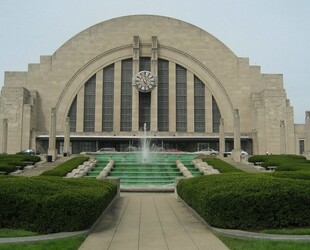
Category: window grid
<point>199,105</point>
<point>89,104</point>
<point>72,115</point>
<point>216,116</point>
<point>108,99</point>
<point>181,99</point>
<point>126,96</point>
<point>163,95</point>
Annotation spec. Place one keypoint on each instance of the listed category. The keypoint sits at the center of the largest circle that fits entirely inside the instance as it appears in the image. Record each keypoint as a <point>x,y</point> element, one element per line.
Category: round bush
<point>248,201</point>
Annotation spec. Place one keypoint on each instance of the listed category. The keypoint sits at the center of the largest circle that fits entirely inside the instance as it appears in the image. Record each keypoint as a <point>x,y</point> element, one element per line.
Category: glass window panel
<point>216,116</point>
<point>199,105</point>
<point>108,98</point>
<point>181,99</point>
<point>89,104</point>
<point>126,95</point>
<point>72,115</point>
<point>163,95</point>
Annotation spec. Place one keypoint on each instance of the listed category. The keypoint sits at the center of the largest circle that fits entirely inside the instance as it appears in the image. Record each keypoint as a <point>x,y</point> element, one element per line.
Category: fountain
<point>145,146</point>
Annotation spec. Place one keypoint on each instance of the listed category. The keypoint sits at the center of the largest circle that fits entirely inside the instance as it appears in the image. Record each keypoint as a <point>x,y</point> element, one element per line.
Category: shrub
<point>221,166</point>
<point>283,162</point>
<point>8,162</point>
<point>248,201</point>
<point>302,174</point>
<point>49,204</point>
<point>66,167</point>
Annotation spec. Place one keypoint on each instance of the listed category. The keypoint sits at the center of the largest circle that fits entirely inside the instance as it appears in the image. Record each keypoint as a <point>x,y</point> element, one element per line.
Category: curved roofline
<point>146,15</point>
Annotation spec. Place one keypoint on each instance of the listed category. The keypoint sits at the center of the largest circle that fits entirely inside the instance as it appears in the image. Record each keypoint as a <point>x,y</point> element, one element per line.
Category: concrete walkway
<point>148,221</point>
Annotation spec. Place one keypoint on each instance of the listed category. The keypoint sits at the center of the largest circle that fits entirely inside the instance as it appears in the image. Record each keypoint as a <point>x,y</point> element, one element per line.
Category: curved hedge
<point>248,201</point>
<point>49,204</point>
<point>8,162</point>
<point>66,167</point>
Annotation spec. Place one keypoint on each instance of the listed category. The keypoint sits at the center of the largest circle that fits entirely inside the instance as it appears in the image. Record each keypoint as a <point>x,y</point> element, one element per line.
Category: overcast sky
<point>274,34</point>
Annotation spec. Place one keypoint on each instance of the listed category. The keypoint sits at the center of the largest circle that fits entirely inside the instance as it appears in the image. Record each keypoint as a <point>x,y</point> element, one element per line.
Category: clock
<point>145,81</point>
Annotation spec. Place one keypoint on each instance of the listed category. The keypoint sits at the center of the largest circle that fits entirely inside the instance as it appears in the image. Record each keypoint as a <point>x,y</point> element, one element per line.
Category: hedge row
<point>66,167</point>
<point>221,166</point>
<point>50,205</point>
<point>248,201</point>
<point>8,163</point>
<point>302,174</point>
<point>283,162</point>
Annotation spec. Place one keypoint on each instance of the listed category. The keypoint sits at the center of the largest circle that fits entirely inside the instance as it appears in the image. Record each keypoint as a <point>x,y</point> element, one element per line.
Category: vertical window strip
<point>145,63</point>
<point>144,98</point>
<point>108,99</point>
<point>163,95</point>
<point>199,105</point>
<point>72,115</point>
<point>181,99</point>
<point>216,116</point>
<point>89,104</point>
<point>126,96</point>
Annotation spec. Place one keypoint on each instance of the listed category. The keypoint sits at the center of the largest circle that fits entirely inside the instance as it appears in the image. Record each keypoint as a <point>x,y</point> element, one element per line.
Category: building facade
<point>112,81</point>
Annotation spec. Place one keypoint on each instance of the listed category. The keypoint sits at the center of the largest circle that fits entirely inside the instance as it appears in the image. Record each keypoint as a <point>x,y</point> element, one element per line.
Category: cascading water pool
<point>149,168</point>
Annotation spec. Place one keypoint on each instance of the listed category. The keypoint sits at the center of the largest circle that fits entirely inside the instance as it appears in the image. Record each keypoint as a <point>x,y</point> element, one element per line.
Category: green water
<point>162,171</point>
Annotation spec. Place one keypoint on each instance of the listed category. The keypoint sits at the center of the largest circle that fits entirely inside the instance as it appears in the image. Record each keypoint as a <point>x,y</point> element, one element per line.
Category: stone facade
<point>265,114</point>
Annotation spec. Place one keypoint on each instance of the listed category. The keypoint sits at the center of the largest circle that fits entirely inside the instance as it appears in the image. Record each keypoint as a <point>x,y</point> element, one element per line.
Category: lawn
<point>71,243</point>
<point>244,244</point>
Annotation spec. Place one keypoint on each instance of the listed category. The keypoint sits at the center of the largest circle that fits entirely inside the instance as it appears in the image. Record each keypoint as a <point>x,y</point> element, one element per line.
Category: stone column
<point>237,150</point>
<point>154,98</point>
<point>222,137</point>
<point>307,135</point>
<point>52,151</point>
<point>67,138</point>
<point>5,136</point>
<point>135,91</point>
<point>282,138</point>
<point>255,142</point>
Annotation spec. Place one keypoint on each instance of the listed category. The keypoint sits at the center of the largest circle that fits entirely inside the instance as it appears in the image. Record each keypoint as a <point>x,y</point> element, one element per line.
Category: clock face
<point>145,81</point>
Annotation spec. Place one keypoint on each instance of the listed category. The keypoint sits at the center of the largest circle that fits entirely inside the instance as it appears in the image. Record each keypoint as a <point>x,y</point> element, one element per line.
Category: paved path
<point>148,221</point>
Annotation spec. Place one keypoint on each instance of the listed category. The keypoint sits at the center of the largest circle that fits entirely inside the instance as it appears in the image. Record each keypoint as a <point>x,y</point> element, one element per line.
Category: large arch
<point>166,52</point>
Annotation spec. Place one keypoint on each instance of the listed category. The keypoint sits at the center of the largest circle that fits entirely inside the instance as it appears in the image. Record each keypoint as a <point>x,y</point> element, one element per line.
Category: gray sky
<point>273,34</point>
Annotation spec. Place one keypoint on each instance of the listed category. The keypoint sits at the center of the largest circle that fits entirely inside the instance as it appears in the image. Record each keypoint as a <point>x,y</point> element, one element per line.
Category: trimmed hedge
<point>283,162</point>
<point>50,205</point>
<point>221,166</point>
<point>8,162</point>
<point>302,174</point>
<point>66,167</point>
<point>248,201</point>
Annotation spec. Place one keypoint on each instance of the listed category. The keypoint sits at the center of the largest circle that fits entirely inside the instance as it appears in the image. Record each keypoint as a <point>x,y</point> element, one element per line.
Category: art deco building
<point>113,79</point>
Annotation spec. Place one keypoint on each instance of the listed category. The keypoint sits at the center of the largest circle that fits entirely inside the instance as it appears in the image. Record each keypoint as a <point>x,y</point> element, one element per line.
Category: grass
<point>66,167</point>
<point>5,233</point>
<point>245,244</point>
<point>71,243</point>
<point>221,166</point>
